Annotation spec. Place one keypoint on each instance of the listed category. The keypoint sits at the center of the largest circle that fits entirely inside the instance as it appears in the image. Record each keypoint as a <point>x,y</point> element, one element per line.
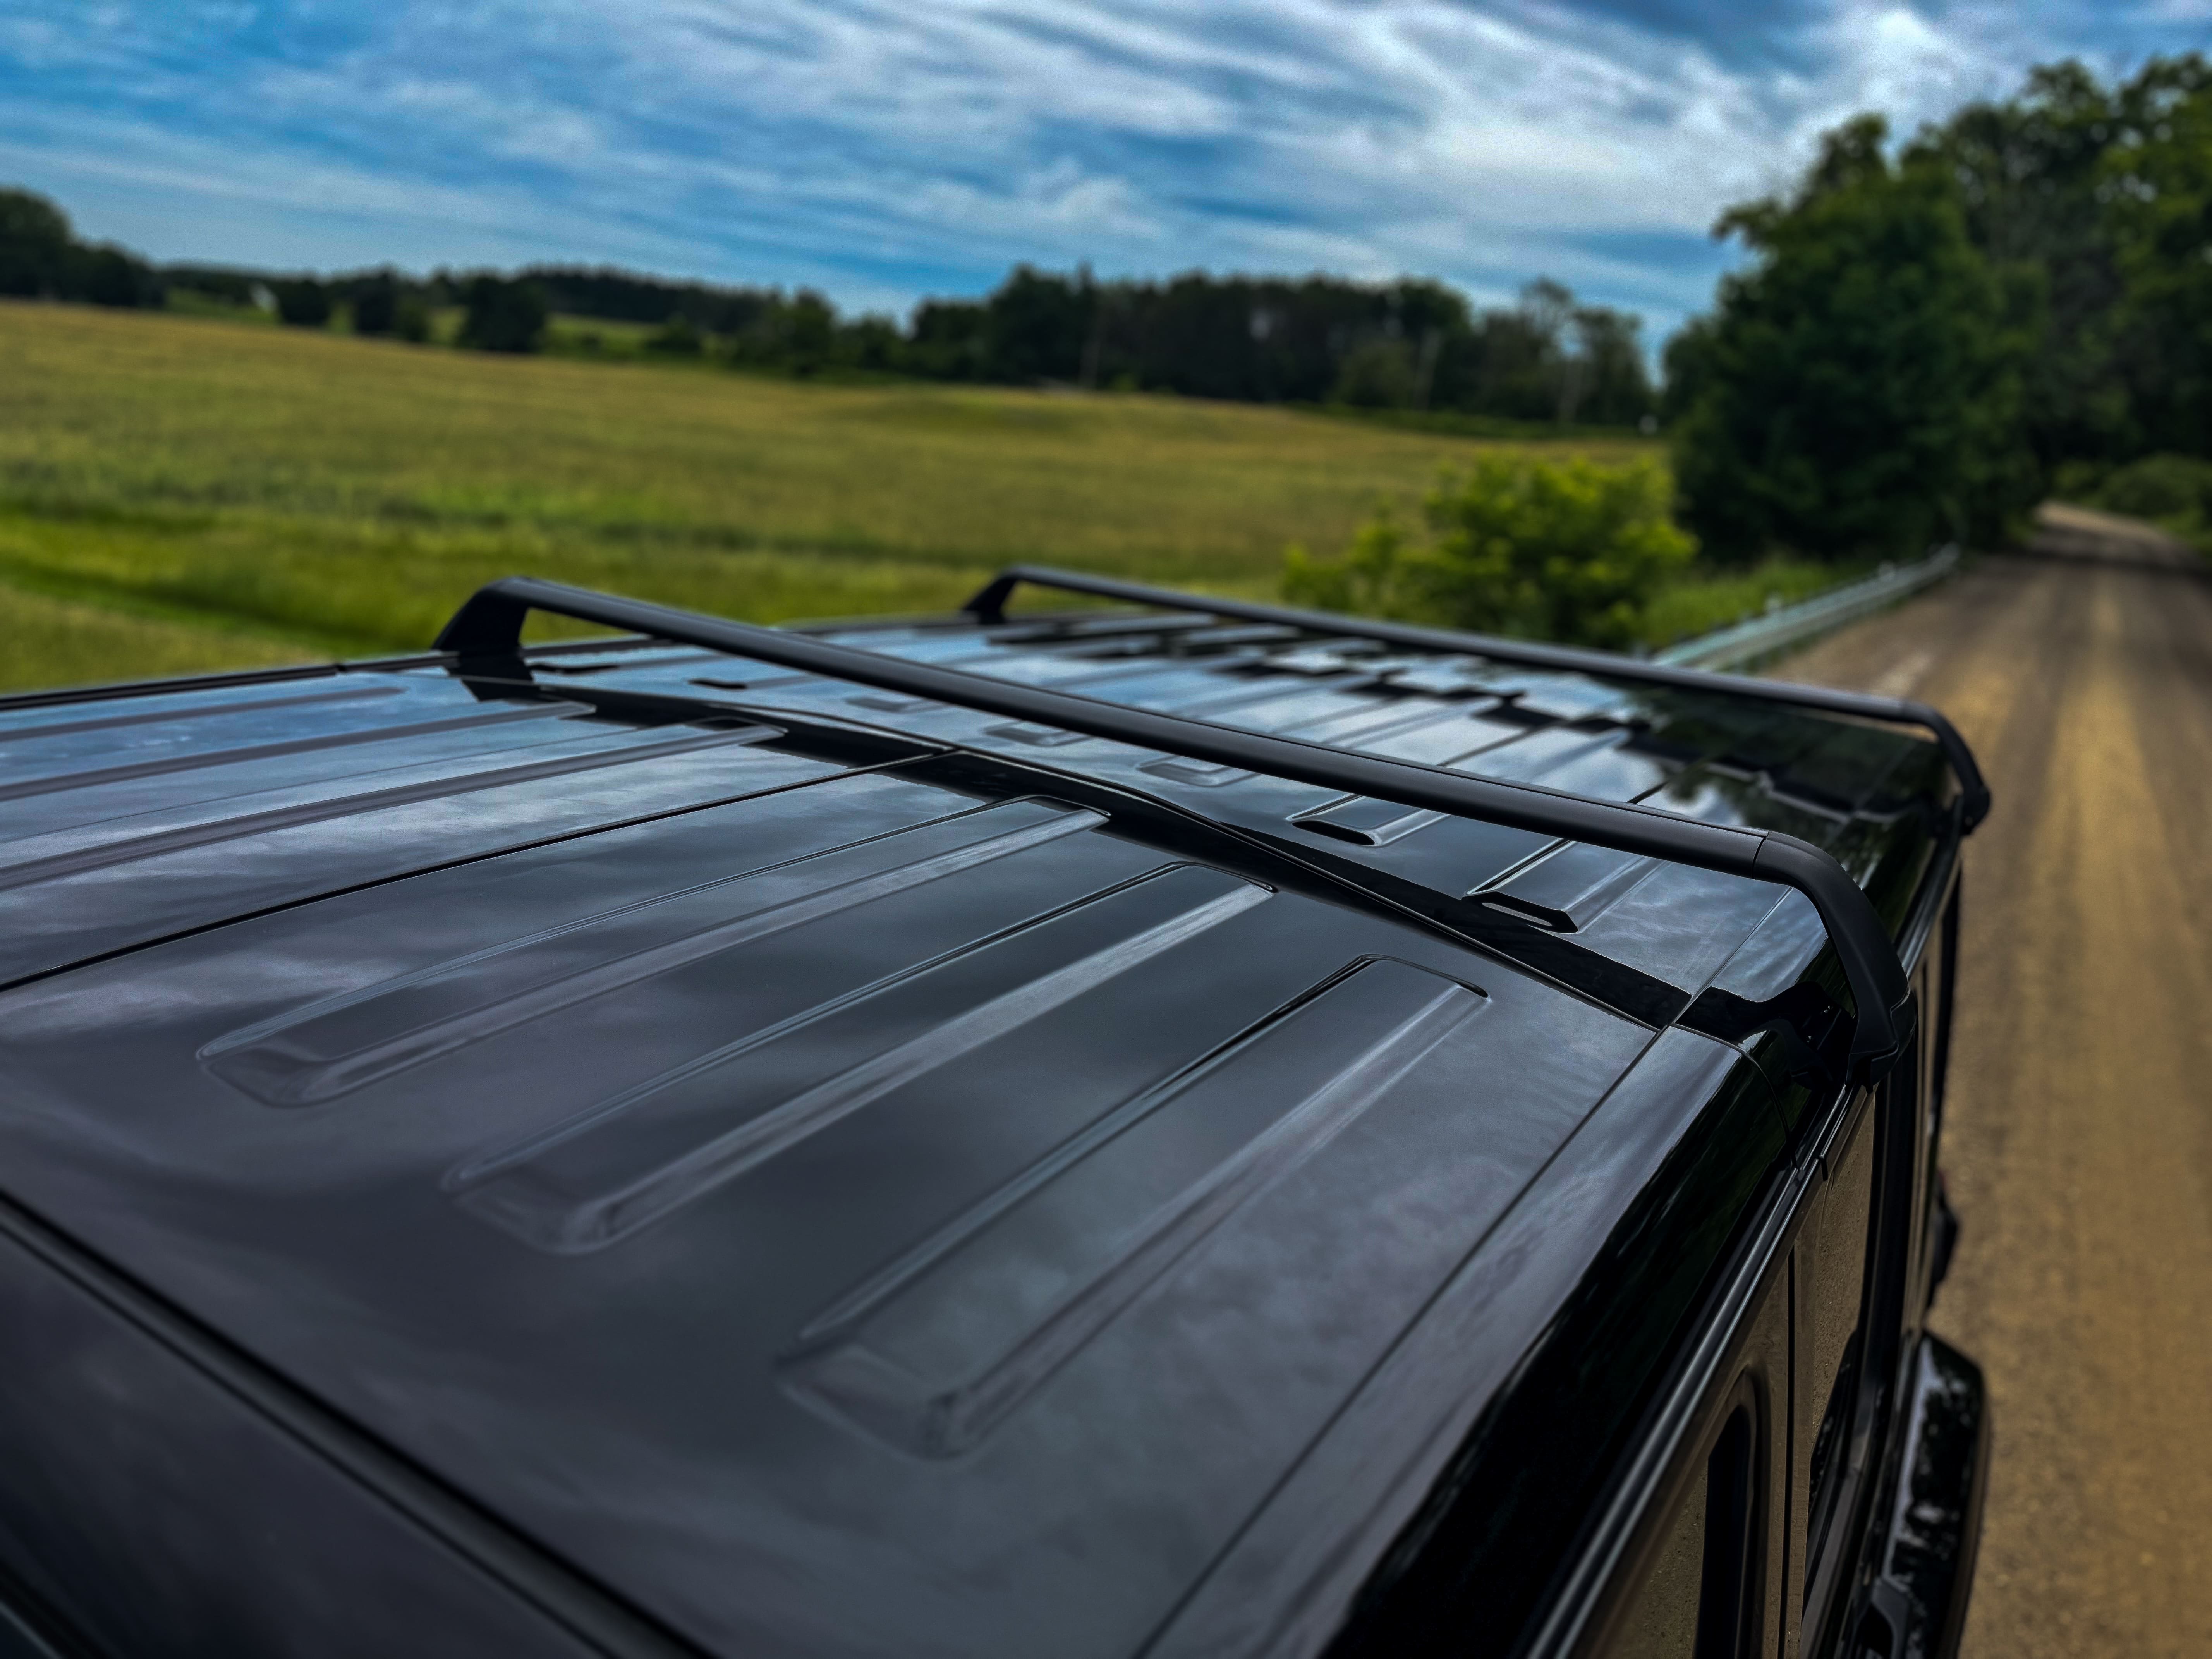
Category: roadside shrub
<point>503,315</point>
<point>2079,480</point>
<point>2174,490</point>
<point>1565,550</point>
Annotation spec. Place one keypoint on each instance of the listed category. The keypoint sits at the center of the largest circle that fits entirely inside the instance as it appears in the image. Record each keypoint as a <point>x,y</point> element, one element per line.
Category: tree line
<point>40,256</point>
<point>1928,338</point>
<point>1411,344</point>
<point>1932,337</point>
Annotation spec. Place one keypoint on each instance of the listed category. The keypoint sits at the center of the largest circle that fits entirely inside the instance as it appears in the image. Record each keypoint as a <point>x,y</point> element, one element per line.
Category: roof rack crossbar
<point>488,630</point>
<point>989,606</point>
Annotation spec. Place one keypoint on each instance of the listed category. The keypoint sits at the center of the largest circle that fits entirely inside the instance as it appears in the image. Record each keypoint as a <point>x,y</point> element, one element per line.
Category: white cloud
<point>879,147</point>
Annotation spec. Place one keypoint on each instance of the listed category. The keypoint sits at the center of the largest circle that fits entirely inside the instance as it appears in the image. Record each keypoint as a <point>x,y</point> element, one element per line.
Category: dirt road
<point>2079,1143</point>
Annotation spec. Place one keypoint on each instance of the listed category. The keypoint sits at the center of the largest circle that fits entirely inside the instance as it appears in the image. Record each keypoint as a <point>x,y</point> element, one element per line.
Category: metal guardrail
<point>1778,630</point>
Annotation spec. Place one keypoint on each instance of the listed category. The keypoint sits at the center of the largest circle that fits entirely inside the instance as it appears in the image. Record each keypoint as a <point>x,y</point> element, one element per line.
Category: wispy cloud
<point>882,149</point>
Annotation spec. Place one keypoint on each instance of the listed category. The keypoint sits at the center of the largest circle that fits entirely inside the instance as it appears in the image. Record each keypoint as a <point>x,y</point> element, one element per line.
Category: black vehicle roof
<point>855,1175</point>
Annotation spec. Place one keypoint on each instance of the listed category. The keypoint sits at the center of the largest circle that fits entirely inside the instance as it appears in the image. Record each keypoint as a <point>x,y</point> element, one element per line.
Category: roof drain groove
<point>518,1188</point>
<point>280,1063</point>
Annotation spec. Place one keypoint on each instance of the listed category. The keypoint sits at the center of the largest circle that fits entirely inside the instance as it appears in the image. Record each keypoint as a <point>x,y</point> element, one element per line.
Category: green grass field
<point>180,493</point>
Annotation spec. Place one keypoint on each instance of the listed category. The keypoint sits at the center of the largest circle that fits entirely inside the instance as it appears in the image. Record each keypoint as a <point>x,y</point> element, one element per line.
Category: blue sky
<point>886,150</point>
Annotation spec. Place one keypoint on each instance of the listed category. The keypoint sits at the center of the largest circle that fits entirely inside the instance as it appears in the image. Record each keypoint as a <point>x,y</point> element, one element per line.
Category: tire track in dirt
<point>2079,1139</point>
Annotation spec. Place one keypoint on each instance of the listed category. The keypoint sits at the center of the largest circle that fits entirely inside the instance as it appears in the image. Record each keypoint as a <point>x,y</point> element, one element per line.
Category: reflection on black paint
<point>1469,1573</point>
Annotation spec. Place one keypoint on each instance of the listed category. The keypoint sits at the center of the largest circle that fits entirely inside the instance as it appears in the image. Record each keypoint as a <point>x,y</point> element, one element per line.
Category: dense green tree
<point>1232,338</point>
<point>1857,388</point>
<point>805,332</point>
<point>1508,364</point>
<point>2156,182</point>
<point>948,340</point>
<point>871,342</point>
<point>108,276</point>
<point>503,314</point>
<point>34,243</point>
<point>303,303</point>
<point>2098,192</point>
<point>1036,326</point>
<point>1413,342</point>
<point>2030,172</point>
<point>1611,385</point>
<point>376,304</point>
<point>1546,358</point>
<point>1378,372</point>
<point>797,335</point>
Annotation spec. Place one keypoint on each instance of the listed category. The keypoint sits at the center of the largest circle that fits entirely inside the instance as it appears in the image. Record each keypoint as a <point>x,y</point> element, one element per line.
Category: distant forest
<point>1411,344</point>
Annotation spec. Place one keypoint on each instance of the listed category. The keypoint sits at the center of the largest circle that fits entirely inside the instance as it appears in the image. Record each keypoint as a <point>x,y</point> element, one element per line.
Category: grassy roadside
<point>115,411</point>
<point>264,488</point>
<point>49,641</point>
<point>181,492</point>
<point>1705,600</point>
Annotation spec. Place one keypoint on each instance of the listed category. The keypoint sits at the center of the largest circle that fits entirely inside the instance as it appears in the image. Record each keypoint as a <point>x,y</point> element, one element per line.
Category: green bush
<point>1709,596</point>
<point>1567,551</point>
<point>2174,490</point>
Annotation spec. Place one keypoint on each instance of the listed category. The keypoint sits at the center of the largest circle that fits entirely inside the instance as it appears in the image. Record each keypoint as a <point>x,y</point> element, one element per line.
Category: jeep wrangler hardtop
<point>1165,1127</point>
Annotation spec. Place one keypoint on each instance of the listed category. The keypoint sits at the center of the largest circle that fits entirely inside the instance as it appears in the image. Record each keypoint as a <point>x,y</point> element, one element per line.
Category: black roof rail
<point>989,606</point>
<point>486,633</point>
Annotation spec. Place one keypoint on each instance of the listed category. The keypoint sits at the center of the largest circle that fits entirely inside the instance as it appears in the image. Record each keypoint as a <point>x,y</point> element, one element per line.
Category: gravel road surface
<point>2079,1140</point>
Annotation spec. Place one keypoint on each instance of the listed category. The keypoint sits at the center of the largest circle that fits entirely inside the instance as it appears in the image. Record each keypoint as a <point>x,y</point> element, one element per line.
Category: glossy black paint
<point>450,1140</point>
<point>113,1534</point>
<point>1477,1567</point>
<point>731,1160</point>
